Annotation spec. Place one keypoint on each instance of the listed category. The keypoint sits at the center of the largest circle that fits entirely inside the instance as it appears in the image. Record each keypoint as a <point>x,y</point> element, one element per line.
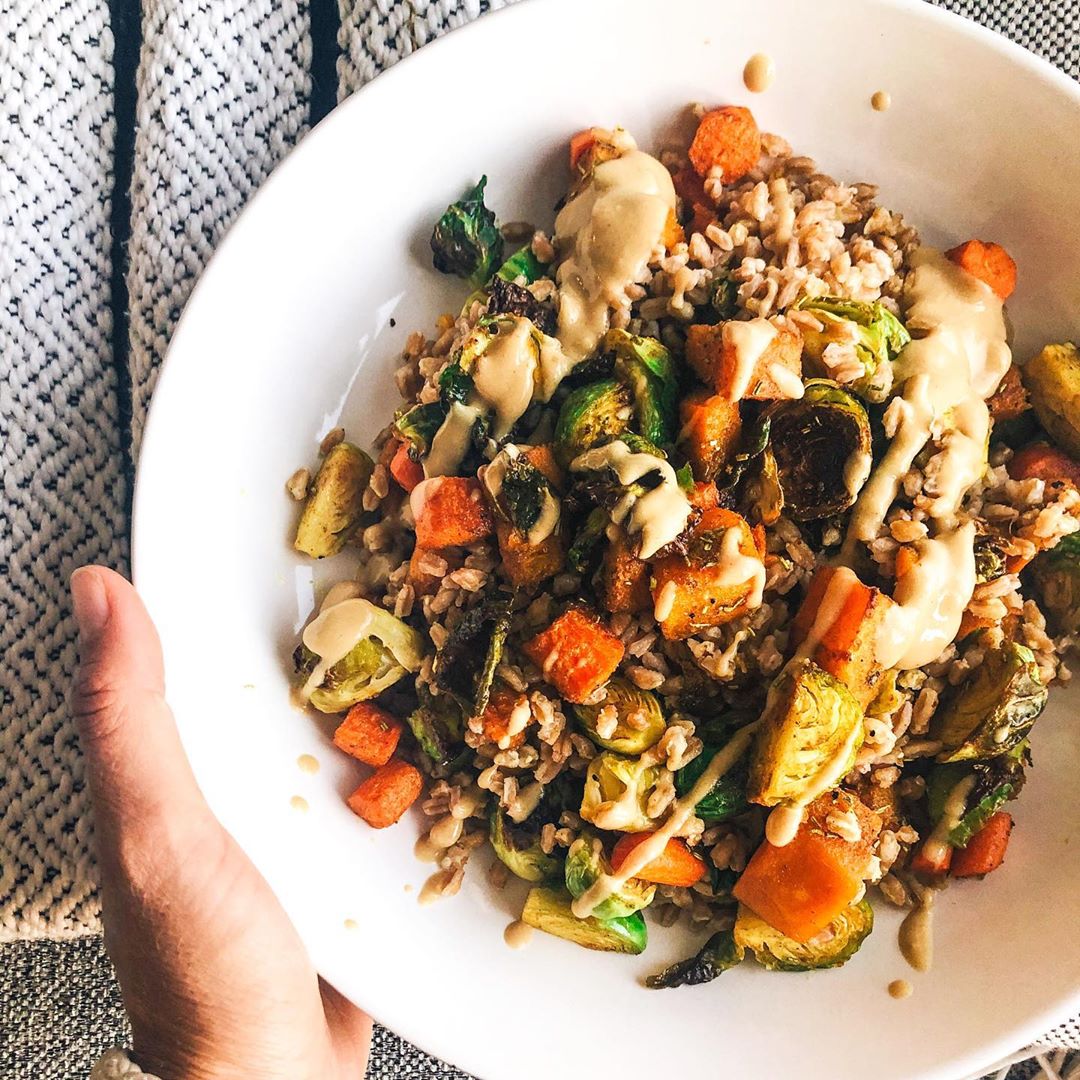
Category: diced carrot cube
<point>369,734</point>
<point>726,139</point>
<point>387,793</point>
<point>711,428</point>
<point>675,865</point>
<point>624,579</point>
<point>495,719</point>
<point>576,653</point>
<point>985,851</point>
<point>407,472</point>
<point>424,582</point>
<point>989,262</point>
<point>713,354</point>
<point>1044,462</point>
<point>450,511</point>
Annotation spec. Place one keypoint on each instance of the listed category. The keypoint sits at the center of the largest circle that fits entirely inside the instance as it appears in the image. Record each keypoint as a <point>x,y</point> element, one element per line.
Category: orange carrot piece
<point>404,470</point>
<point>495,719</point>
<point>969,622</point>
<point>580,143</point>
<point>933,865</point>
<point>528,564</point>
<point>542,457</point>
<point>726,139</point>
<point>387,793</point>
<point>423,582</point>
<point>985,851</point>
<point>452,511</point>
<point>675,865</point>
<point>989,262</point>
<point>704,496</point>
<point>801,887</point>
<point>369,734</point>
<point>576,653</point>
<point>711,427</point>
<point>673,232</point>
<point>1044,462</point>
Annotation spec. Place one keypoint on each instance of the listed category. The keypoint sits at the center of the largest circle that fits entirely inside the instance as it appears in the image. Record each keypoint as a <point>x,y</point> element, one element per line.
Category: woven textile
<point>223,91</point>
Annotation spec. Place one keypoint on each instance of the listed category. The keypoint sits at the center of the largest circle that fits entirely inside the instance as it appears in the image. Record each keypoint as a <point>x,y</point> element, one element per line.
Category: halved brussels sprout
<point>718,954</point>
<point>419,424</point>
<point>335,503</point>
<point>437,725</point>
<point>994,710</point>
<point>518,848</point>
<point>549,910</point>
<point>465,665</point>
<point>585,862</point>
<point>813,727</point>
<point>1053,380</point>
<point>617,791</point>
<point>726,798</point>
<point>876,333</point>
<point>385,652</point>
<point>833,947</point>
<point>646,366</point>
<point>813,439</point>
<point>590,415</point>
<point>630,703</point>
<point>1055,575</point>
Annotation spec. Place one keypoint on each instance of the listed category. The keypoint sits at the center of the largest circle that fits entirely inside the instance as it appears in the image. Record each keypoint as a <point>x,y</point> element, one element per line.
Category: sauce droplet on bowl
<point>900,989</point>
<point>298,802</point>
<point>351,924</point>
<point>306,763</point>
<point>759,73</point>
<point>881,100</point>
<point>518,934</point>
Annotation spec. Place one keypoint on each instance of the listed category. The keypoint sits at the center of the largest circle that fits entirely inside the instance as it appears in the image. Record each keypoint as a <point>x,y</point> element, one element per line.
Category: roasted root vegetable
<point>617,791</point>
<point>719,578</point>
<point>1041,461</point>
<point>628,720</point>
<point>845,648</point>
<point>497,718</point>
<point>1053,380</point>
<point>987,261</point>
<point>387,793</point>
<point>549,910</point>
<point>369,734</point>
<point>834,947</point>
<point>466,240</point>
<point>576,653</point>
<point>810,733</point>
<point>585,863</point>
<point>1010,400</point>
<point>405,469</point>
<point>800,888</point>
<point>985,851</point>
<point>716,354</point>
<point>1055,575</point>
<point>675,865</point>
<point>335,502</point>
<point>420,574</point>
<point>450,511</point>
<point>710,432</point>
<point>727,140</point>
<point>623,582</point>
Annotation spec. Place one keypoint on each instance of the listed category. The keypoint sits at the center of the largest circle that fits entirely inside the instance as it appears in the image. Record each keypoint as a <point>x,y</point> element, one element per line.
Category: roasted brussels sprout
<point>509,298</point>
<point>994,710</point>
<point>647,368</point>
<point>726,798</point>
<point>466,241</point>
<point>821,443</point>
<point>718,954</point>
<point>518,848</point>
<point>334,505</point>
<point>549,910</point>
<point>875,332</point>
<point>419,424</point>
<point>812,729</point>
<point>989,559</point>
<point>465,665</point>
<point>587,540</point>
<point>724,297</point>
<point>585,862</point>
<point>639,723</point>
<point>590,415</point>
<point>831,948</point>
<point>752,445</point>
<point>386,650</point>
<point>1055,575</point>
<point>617,791</point>
<point>996,782</point>
<point>1053,380</point>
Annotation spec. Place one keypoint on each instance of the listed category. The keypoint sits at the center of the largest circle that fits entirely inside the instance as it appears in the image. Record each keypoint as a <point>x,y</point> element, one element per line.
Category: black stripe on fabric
<point>325,23</point>
<point>126,19</point>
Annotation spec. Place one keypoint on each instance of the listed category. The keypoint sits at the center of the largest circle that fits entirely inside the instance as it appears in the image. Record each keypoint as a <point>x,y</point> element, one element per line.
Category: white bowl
<point>289,333</point>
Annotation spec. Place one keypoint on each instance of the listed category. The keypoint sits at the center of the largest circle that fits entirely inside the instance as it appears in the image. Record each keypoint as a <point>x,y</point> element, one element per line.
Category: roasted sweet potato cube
<point>420,576</point>
<point>497,716</point>
<point>450,511</point>
<point>387,793</point>
<point>528,564</point>
<point>576,653</point>
<point>624,579</point>
<point>718,355</point>
<point>711,426</point>
<point>369,734</point>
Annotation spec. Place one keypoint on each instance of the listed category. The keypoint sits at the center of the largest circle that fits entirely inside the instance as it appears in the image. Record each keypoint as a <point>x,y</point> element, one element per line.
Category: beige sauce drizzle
<point>735,568</point>
<point>351,924</point>
<point>937,843</point>
<point>900,989</point>
<point>916,940</point>
<point>665,601</point>
<point>332,634</point>
<point>492,478</point>
<point>306,763</point>
<point>608,884</point>
<point>518,934</point>
<point>607,233</point>
<point>298,802</point>
<point>881,100</point>
<point>451,441</point>
<point>658,515</point>
<point>787,382</point>
<point>759,73</point>
<point>856,470</point>
<point>432,889</point>
<point>505,374</point>
<point>748,341</point>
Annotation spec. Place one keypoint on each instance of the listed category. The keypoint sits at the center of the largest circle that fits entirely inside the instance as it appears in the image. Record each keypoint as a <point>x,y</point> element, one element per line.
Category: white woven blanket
<point>222,90</point>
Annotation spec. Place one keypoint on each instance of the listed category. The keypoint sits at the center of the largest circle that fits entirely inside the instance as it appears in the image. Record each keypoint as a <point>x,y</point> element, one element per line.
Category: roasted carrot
<point>932,864</point>
<point>675,865</point>
<point>527,564</point>
<point>449,511</point>
<point>969,622</point>
<point>407,472</point>
<point>726,139</point>
<point>576,653</point>
<point>495,719</point>
<point>369,734</point>
<point>580,143</point>
<point>1044,462</point>
<point>985,851</point>
<point>704,496</point>
<point>801,887</point>
<point>542,457</point>
<point>387,793</point>
<point>624,579</point>
<point>711,426</point>
<point>989,262</point>
<point>673,232</point>
<point>424,582</point>
<point>698,209</point>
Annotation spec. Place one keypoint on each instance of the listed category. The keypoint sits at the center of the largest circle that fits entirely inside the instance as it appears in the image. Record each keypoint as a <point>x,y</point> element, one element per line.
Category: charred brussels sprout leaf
<point>726,798</point>
<point>335,504</point>
<point>587,540</point>
<point>466,241</point>
<point>837,944</point>
<point>995,709</point>
<point>455,384</point>
<point>549,910</point>
<point>437,725</point>
<point>518,848</point>
<point>724,297</point>
<point>419,424</point>
<point>465,665</point>
<point>716,956</point>
<point>617,791</point>
<point>754,441</point>
<point>509,298</point>
<point>989,559</point>
<point>812,720</point>
<point>815,439</point>
<point>629,703</point>
<point>522,264</point>
<point>592,414</point>
<point>585,862</point>
<point>647,368</point>
<point>996,782</point>
<point>1055,575</point>
<point>877,335</point>
<point>524,488</point>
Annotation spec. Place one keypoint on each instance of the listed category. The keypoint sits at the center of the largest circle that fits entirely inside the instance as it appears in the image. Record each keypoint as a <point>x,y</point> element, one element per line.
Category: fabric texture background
<point>223,90</point>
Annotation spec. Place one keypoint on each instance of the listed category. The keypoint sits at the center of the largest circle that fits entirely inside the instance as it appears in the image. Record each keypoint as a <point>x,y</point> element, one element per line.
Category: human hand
<point>214,977</point>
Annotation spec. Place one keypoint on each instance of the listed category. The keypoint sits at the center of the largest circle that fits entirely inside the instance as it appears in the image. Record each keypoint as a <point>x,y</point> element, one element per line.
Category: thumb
<point>135,762</point>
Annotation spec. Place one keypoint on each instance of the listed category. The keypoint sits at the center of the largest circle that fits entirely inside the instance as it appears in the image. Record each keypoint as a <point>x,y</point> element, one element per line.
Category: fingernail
<point>89,601</point>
